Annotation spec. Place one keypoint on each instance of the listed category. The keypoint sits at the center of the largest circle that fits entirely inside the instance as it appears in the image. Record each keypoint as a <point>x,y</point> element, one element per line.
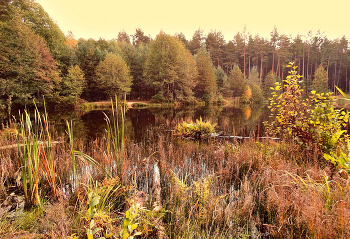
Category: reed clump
<point>195,130</point>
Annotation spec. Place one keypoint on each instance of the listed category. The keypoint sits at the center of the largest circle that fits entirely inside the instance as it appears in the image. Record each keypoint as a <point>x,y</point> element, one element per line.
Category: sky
<point>106,18</point>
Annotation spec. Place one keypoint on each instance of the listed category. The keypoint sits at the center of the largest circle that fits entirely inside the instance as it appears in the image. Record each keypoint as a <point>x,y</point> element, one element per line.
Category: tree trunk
<point>347,83</point>
<point>304,62</point>
<point>273,61</point>
<point>261,64</point>
<point>307,65</point>
<point>335,77</point>
<point>329,58</point>
<point>244,59</point>
<point>249,67</point>
<point>339,71</point>
<point>278,67</point>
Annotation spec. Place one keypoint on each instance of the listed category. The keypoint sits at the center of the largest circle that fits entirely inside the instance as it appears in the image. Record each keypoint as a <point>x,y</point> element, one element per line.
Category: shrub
<point>311,121</point>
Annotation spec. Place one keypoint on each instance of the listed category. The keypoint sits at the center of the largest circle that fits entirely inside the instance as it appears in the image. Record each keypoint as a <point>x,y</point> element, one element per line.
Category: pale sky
<point>105,18</point>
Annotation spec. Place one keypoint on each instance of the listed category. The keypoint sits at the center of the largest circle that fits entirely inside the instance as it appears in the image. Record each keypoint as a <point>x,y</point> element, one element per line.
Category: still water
<point>90,125</point>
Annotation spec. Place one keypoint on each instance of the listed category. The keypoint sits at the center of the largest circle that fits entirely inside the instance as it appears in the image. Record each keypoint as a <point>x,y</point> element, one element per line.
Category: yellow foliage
<point>248,92</point>
<point>247,112</point>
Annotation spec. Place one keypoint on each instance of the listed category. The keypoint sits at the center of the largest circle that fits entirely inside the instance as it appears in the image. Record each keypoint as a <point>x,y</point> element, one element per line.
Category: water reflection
<point>91,125</point>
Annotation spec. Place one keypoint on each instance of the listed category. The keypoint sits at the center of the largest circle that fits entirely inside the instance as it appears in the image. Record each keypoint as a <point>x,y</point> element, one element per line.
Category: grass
<point>212,189</point>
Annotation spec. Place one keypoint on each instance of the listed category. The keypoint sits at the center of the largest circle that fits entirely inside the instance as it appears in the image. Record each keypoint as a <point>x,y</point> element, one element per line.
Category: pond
<point>88,126</point>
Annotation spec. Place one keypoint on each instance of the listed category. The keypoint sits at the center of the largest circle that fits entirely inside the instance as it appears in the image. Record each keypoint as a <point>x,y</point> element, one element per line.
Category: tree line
<point>38,60</point>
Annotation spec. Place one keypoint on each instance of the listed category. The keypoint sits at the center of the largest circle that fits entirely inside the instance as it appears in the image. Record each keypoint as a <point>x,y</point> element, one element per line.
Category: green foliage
<point>135,57</point>
<point>340,158</point>
<point>312,122</point>
<point>130,224</point>
<point>269,82</point>
<point>36,18</point>
<point>257,94</point>
<point>157,98</point>
<point>214,43</point>
<point>89,55</point>
<point>221,79</point>
<point>320,82</point>
<point>196,130</point>
<point>196,42</point>
<point>27,69</point>
<point>113,76</point>
<point>236,83</point>
<point>34,149</point>
<point>170,68</point>
<point>206,82</point>
<point>101,199</point>
<point>220,100</point>
<point>73,84</point>
<point>254,77</point>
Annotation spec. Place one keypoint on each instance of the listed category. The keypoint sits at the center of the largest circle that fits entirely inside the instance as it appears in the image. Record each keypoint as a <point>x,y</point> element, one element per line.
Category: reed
<point>29,138</point>
<point>116,134</point>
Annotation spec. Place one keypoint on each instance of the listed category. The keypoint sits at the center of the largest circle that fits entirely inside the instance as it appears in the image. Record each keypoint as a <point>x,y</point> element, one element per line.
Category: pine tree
<point>230,58</point>
<point>140,37</point>
<point>196,42</point>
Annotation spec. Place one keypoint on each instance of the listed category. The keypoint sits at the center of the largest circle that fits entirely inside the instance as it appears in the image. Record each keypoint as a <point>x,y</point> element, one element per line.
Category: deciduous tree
<point>221,79</point>
<point>27,69</point>
<point>35,17</point>
<point>206,84</point>
<point>236,83</point>
<point>73,84</point>
<point>320,82</point>
<point>113,76</point>
<point>123,37</point>
<point>269,82</point>
<point>170,68</point>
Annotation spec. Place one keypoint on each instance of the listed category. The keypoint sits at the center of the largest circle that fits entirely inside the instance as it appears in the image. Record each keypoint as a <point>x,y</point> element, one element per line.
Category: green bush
<point>309,120</point>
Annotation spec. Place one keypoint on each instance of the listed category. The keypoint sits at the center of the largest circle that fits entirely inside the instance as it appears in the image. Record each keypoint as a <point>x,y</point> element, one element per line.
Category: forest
<point>184,175</point>
<point>38,60</point>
